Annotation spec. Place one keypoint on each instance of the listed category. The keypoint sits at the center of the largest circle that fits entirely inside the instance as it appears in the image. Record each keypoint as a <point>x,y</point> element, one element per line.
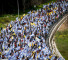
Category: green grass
<point>61,39</point>
<point>5,19</point>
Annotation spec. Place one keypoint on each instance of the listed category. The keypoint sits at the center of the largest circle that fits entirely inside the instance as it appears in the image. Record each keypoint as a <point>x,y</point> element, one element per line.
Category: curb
<point>52,43</point>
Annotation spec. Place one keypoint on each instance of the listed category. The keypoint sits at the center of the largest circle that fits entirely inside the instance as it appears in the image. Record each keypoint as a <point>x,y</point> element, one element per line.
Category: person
<point>26,38</point>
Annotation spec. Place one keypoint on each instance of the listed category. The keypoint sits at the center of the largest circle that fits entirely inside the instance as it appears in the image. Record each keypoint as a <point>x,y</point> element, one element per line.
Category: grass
<point>61,39</point>
<point>5,19</point>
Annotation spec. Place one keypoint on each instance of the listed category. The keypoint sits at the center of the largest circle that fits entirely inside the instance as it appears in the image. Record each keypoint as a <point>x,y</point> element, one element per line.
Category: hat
<point>4,28</point>
<point>50,57</point>
<point>12,37</point>
<point>38,20</point>
<point>23,14</point>
<point>30,45</point>
<point>25,28</point>
<point>24,36</point>
<point>31,23</point>
<point>0,53</point>
<point>13,30</point>
<point>10,25</point>
<point>3,47</point>
<point>45,9</point>
<point>13,34</point>
<point>48,3</point>
<point>47,13</point>
<point>39,47</point>
<point>32,12</point>
<point>21,17</point>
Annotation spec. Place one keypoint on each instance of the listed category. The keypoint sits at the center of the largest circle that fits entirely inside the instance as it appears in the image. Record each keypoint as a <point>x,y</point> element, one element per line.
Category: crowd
<point>25,38</point>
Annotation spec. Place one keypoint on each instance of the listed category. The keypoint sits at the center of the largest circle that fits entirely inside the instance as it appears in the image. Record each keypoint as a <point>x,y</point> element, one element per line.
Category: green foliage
<point>61,39</point>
